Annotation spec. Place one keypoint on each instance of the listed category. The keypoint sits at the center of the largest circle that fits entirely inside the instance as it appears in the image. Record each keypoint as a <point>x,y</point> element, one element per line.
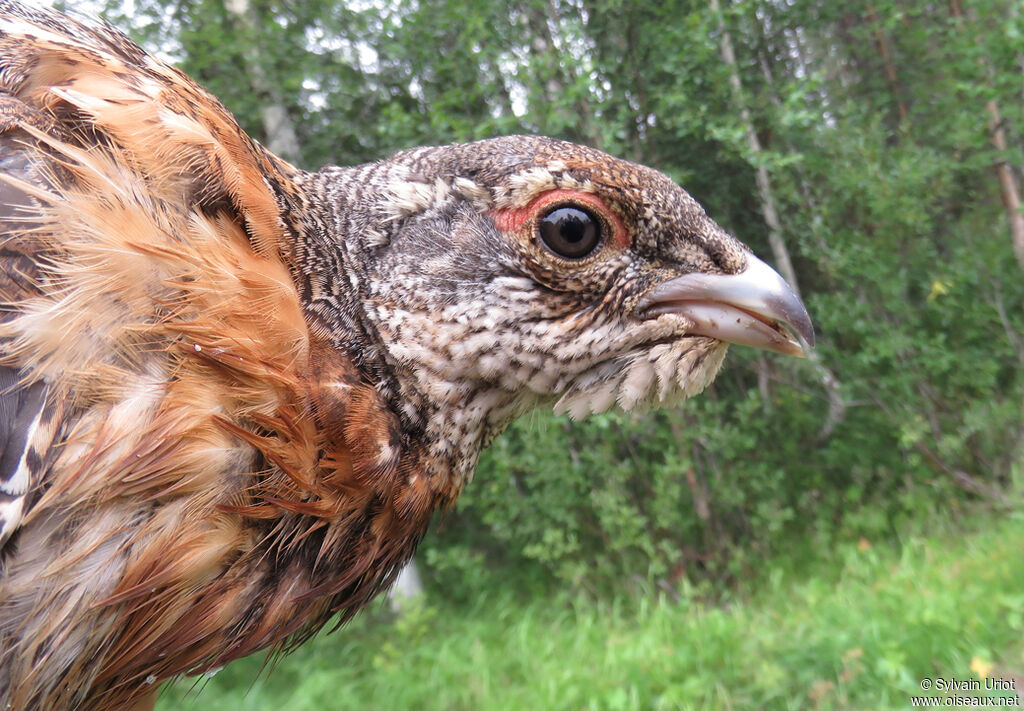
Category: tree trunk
<point>1008,189</point>
<point>281,138</point>
<point>836,402</point>
<point>1007,182</point>
<point>408,586</point>
<point>764,185</point>
<point>888,66</point>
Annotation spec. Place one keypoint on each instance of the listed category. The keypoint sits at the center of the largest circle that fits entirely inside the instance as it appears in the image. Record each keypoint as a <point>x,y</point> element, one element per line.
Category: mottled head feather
<point>477,320</point>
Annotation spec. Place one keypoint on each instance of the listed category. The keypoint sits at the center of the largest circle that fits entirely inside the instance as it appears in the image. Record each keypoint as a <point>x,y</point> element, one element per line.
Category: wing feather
<point>21,410</point>
<point>111,161</point>
<point>148,313</point>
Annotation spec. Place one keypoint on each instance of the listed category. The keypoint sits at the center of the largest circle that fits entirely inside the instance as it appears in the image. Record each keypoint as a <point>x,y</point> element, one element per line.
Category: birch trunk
<point>281,138</point>
<point>1008,189</point>
<point>888,66</point>
<point>764,185</point>
<point>836,402</point>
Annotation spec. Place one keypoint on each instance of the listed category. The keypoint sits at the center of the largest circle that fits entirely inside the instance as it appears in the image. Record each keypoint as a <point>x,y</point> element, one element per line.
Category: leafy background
<point>770,527</point>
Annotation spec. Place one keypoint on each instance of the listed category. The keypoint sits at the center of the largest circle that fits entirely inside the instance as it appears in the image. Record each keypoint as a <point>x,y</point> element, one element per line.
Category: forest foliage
<point>876,145</point>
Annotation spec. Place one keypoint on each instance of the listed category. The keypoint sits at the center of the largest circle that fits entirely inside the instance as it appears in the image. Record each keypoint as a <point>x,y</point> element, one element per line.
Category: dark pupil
<point>570,232</point>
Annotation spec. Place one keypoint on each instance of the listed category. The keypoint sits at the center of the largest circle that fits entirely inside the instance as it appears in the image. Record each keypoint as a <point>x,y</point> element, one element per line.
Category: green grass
<point>855,629</point>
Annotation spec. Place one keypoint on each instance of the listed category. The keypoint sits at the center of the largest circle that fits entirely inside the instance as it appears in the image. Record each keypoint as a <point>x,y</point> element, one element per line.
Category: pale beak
<point>753,308</point>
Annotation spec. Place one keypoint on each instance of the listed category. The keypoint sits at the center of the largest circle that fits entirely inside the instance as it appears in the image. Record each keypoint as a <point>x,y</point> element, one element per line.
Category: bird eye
<point>570,232</point>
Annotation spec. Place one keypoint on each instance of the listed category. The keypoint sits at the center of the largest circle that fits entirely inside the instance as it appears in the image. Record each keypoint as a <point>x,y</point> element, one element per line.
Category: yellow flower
<point>981,667</point>
<point>939,288</point>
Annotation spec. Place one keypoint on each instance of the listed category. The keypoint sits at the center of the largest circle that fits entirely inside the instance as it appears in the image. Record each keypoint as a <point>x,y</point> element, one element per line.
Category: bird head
<point>517,272</point>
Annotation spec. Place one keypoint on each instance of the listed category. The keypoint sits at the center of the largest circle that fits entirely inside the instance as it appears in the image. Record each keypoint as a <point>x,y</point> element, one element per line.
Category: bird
<point>233,392</point>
